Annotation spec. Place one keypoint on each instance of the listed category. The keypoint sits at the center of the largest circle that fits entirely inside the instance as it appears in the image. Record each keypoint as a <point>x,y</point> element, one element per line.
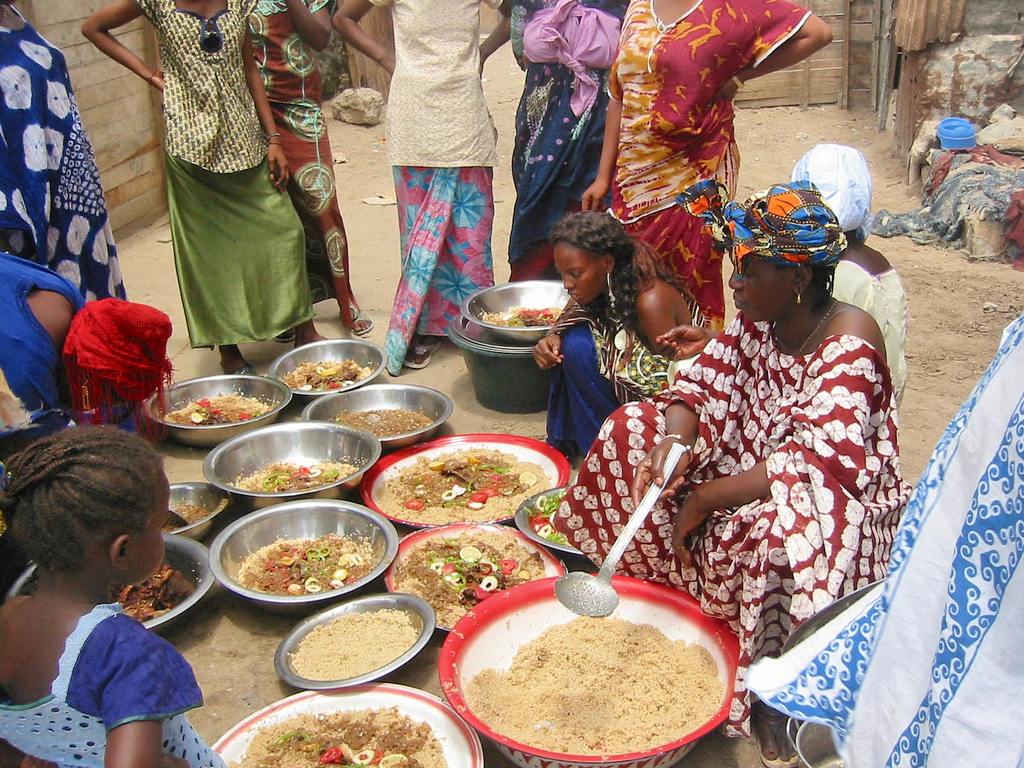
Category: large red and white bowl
<point>459,742</point>
<point>552,565</point>
<point>492,633</point>
<point>526,449</point>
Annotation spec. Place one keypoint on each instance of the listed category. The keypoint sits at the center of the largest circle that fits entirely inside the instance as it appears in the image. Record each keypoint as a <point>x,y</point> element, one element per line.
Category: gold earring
<point>799,298</point>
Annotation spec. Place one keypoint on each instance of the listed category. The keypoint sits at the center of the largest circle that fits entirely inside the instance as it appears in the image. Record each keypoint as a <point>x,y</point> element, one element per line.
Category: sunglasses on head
<point>211,39</point>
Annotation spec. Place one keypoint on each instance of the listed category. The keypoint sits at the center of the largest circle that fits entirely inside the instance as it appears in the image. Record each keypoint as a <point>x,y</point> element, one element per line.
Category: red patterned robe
<point>824,423</point>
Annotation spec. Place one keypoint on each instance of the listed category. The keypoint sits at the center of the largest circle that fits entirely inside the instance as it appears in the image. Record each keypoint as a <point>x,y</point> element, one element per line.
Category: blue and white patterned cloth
<point>929,672</point>
<point>52,208</point>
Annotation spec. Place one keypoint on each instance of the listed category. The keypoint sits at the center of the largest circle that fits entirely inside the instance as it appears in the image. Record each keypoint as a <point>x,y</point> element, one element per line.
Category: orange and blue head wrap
<point>787,224</point>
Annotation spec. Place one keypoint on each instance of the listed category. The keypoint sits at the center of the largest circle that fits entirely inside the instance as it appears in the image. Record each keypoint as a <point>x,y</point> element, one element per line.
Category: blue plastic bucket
<point>956,133</point>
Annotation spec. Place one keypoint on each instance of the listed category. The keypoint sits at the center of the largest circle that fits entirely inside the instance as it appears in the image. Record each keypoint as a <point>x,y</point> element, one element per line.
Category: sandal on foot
<point>420,354</point>
<point>776,725</point>
<point>359,318</point>
<point>245,370</point>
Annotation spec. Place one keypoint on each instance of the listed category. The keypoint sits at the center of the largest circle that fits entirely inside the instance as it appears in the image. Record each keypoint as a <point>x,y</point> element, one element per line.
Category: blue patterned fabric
<point>556,153</point>
<point>52,209</point>
<point>29,359</point>
<point>929,672</point>
<point>580,398</point>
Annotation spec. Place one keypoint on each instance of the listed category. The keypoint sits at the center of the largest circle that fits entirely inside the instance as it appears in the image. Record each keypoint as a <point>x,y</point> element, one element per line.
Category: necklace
<point>814,332</point>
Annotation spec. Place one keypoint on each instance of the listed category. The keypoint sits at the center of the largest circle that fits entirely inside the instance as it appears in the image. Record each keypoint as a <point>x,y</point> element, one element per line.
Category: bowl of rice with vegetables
<point>390,726</point>
<point>521,312</point>
<point>474,478</point>
<point>457,567</point>
<point>303,553</point>
<point>332,365</point>
<point>284,462</point>
<point>330,650</point>
<point>636,688</point>
<point>205,412</point>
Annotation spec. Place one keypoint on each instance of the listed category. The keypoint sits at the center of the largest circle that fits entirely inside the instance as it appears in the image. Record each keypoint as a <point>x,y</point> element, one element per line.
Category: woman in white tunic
<point>441,145</point>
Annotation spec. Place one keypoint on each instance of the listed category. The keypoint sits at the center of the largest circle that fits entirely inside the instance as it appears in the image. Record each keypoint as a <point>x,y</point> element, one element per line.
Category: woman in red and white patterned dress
<point>791,491</point>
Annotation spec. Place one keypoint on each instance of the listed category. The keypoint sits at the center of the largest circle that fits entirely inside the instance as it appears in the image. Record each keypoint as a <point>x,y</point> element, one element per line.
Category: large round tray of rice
<point>459,743</point>
<point>380,483</point>
<point>491,635</point>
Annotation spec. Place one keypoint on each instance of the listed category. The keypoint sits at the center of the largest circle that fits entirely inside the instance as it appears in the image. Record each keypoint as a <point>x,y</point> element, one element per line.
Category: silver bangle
<point>679,438</point>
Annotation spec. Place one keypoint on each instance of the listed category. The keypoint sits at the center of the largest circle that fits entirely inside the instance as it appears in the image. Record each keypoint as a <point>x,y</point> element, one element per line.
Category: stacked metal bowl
<point>500,357</point>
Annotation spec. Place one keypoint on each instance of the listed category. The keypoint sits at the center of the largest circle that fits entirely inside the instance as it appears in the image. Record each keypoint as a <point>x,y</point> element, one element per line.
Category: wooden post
<point>364,71</point>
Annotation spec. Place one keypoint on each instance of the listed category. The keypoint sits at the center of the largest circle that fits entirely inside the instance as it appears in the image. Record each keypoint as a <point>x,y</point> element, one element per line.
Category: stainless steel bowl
<point>420,614</point>
<point>179,395</point>
<point>303,443</point>
<point>365,353</point>
<point>435,405</point>
<point>532,294</point>
<point>526,511</point>
<point>309,519</point>
<point>182,554</point>
<point>203,495</point>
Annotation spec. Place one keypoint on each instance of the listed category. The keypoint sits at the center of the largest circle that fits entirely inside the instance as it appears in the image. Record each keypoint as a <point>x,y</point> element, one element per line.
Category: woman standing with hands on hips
<point>670,118</point>
<point>239,250</point>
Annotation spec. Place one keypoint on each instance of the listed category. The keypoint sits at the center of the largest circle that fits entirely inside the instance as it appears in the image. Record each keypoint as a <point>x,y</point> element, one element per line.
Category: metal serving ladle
<point>590,595</point>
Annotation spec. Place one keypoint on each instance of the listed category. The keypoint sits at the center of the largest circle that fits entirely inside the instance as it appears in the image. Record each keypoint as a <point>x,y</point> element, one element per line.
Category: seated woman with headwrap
<point>790,490</point>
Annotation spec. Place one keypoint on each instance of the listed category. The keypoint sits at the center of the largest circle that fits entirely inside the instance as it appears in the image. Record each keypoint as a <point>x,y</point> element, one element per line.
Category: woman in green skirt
<point>238,242</point>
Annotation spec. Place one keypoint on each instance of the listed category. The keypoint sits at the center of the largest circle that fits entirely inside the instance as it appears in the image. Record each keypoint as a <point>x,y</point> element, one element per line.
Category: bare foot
<point>773,743</point>
<point>307,334</point>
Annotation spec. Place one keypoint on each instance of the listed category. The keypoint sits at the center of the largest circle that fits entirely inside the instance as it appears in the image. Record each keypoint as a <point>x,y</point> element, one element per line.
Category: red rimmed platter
<point>525,449</point>
<point>459,742</point>
<point>490,635</point>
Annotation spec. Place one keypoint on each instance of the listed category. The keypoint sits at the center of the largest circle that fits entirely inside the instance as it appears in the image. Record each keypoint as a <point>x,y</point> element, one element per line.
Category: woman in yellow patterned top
<point>239,249</point>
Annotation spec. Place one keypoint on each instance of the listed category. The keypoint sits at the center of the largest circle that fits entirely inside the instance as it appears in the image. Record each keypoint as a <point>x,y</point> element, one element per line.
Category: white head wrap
<point>842,176</point>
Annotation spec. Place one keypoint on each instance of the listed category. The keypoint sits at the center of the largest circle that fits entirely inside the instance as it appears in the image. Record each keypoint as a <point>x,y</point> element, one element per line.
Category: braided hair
<point>635,267</point>
<point>77,486</point>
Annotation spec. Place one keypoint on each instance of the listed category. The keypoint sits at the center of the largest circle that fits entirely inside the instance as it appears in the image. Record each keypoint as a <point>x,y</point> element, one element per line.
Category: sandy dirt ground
<point>952,338</point>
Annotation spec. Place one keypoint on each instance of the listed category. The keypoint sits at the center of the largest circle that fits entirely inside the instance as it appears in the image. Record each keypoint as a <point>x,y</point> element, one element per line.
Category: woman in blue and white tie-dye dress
<point>52,209</point>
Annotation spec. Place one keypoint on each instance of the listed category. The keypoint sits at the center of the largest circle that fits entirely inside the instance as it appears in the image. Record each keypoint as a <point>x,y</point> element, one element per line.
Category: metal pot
<point>815,745</point>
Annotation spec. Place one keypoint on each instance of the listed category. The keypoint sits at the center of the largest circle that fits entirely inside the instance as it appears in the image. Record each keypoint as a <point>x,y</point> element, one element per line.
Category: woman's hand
<point>692,513</point>
<point>593,196</point>
<point>157,80</point>
<point>684,341</point>
<point>278,166</point>
<point>651,469</point>
<point>547,353</point>
<point>728,90</point>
